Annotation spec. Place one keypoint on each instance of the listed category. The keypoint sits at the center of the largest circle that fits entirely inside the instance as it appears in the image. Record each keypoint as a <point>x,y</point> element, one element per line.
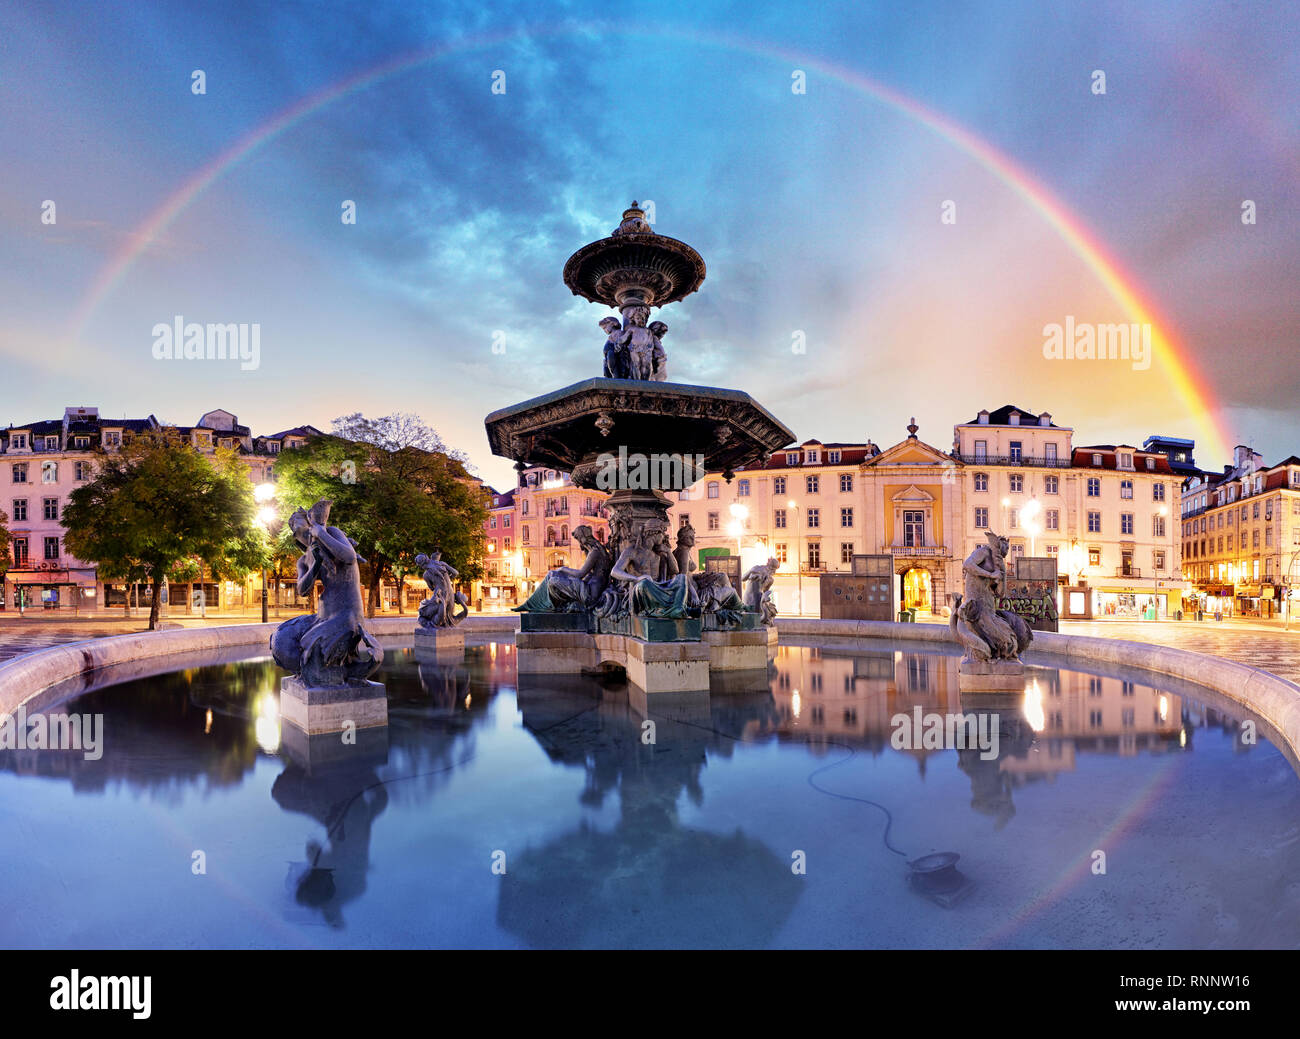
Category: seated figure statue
<point>331,646</point>
<point>758,590</point>
<point>568,589</point>
<point>986,632</point>
<point>649,583</point>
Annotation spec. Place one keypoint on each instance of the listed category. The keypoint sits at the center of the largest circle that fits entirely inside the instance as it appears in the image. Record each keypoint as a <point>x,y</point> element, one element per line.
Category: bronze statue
<point>331,646</point>
<point>758,590</point>
<point>568,589</point>
<point>986,632</point>
<point>439,609</point>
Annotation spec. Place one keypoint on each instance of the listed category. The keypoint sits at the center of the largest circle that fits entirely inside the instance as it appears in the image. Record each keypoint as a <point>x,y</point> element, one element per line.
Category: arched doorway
<point>917,589</point>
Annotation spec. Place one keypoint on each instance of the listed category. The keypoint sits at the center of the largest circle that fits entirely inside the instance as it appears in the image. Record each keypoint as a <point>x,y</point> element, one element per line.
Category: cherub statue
<point>331,646</point>
<point>616,363</point>
<point>659,359</point>
<point>639,342</point>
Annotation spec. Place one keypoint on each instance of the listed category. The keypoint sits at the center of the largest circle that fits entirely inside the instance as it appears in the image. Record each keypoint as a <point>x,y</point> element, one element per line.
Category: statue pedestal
<point>441,644</point>
<point>738,649</point>
<point>329,709</point>
<point>990,675</point>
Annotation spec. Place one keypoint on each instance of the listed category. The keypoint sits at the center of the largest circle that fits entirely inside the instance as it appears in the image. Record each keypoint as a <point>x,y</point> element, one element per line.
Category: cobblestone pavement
<point>1275,650</point>
<point>17,640</point>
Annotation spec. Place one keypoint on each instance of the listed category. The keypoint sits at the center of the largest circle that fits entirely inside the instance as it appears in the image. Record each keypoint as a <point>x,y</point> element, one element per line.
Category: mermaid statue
<point>331,646</point>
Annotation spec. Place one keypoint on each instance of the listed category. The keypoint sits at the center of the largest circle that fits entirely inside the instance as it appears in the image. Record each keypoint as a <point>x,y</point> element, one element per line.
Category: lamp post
<point>1028,513</point>
<point>267,517</point>
<point>739,513</point>
<point>798,548</point>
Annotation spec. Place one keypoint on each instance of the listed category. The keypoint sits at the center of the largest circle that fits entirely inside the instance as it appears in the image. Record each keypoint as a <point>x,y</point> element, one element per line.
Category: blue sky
<point>815,212</point>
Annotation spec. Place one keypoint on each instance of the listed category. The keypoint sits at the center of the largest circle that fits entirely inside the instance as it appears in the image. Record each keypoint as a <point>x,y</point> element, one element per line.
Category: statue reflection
<point>649,881</point>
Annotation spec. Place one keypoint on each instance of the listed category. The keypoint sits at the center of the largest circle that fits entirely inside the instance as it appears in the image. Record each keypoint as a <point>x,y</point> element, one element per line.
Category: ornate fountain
<point>634,434</point>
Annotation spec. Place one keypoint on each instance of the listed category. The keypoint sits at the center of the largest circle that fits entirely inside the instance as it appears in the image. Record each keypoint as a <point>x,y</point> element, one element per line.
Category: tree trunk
<point>156,603</point>
<point>373,592</point>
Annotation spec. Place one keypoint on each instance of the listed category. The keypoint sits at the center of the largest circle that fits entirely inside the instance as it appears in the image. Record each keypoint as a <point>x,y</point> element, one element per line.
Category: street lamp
<point>267,518</point>
<point>1028,513</point>
<point>793,506</point>
<point>736,528</point>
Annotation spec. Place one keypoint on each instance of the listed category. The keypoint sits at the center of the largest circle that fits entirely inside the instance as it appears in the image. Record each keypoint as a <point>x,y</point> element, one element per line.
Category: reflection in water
<point>651,848</point>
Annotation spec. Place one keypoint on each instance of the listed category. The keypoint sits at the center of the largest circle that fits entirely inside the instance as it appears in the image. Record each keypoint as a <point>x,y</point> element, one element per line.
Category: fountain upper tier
<point>634,266</point>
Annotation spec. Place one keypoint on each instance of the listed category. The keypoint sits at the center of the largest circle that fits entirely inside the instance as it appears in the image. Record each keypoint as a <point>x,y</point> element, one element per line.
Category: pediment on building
<point>912,452</point>
<point>913,495</point>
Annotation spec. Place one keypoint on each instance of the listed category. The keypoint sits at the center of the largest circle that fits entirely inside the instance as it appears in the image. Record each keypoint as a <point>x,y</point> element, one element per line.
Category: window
<point>1157,492</point>
<point>1053,519</point>
<point>814,518</point>
<point>833,457</point>
<point>913,527</point>
<point>1017,483</point>
<point>1126,522</point>
<point>981,481</point>
<point>492,545</point>
<point>1126,488</point>
<point>846,551</point>
<point>778,485</point>
<point>981,517</point>
<point>846,517</point>
<point>1015,450</point>
<point>1157,526</point>
<point>813,484</point>
<point>778,519</point>
<point>1158,557</point>
<point>505,521</point>
<point>1013,519</point>
<point>18,442</point>
<point>81,442</point>
<point>1254,512</point>
<point>505,544</point>
<point>1094,685</point>
<point>50,508</point>
<point>1049,453</point>
<point>51,443</point>
<point>527,534</point>
<point>742,488</point>
<point>52,548</point>
<point>846,483</point>
<point>792,458</point>
<point>782,553</point>
<point>1094,523</point>
<point>1245,510</point>
<point>1096,458</point>
<point>113,439</point>
<point>712,489</point>
<point>492,523</point>
<point>273,446</point>
<point>814,555</point>
<point>713,521</point>
<point>81,471</point>
<point>1151,462</point>
<point>1053,550</point>
<point>19,510</point>
<point>981,450</point>
<point>811,456</point>
<point>20,552</point>
<point>49,472</point>
<point>1052,485</point>
<point>1094,487</point>
<point>1125,460</point>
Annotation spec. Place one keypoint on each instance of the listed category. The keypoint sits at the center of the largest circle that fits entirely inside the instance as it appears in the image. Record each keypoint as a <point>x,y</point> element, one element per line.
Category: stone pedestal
<point>655,667</point>
<point>990,675</point>
<point>737,649</point>
<point>329,709</point>
<point>325,753</point>
<point>440,644</point>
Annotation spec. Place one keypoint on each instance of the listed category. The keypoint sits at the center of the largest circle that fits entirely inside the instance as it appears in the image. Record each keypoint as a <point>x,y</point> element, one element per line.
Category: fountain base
<point>990,675</point>
<point>334,708</point>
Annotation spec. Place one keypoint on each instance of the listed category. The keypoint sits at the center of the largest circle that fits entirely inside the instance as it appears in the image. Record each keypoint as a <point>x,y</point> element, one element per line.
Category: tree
<point>5,540</point>
<point>156,503</point>
<point>396,489</point>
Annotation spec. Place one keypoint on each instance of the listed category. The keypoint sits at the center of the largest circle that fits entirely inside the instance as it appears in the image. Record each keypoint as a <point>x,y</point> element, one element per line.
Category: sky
<point>895,203</point>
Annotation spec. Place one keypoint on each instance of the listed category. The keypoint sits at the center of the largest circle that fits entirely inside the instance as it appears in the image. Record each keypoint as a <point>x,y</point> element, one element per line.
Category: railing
<point>915,550</point>
<point>1127,571</point>
<point>595,511</point>
<point>1029,460</point>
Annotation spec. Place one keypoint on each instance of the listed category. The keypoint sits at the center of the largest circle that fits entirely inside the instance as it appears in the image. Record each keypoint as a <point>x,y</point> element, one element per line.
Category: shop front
<point>1120,602</point>
<point>49,590</point>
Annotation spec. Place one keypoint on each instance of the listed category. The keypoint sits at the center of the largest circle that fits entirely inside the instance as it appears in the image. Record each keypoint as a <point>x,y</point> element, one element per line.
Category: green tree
<point>157,503</point>
<point>5,541</point>
<point>397,490</point>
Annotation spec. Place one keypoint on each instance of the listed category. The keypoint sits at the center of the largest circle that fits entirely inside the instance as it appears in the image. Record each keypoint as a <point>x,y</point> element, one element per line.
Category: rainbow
<point>1108,840</point>
<point>1171,360</point>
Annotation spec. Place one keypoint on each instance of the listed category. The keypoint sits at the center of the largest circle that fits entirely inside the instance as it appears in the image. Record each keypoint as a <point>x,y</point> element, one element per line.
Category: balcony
<point>1026,460</point>
<point>914,550</point>
<point>595,511</point>
<point>1127,571</point>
